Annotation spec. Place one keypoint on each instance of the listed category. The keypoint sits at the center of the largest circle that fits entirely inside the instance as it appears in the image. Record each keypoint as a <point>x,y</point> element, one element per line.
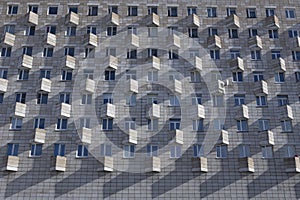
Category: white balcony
<point>108,110</point>
<point>111,62</point>
<point>175,86</point>
<point>193,20</point>
<point>261,87</point>
<point>85,135</point>
<point>107,164</point>
<point>154,111</point>
<point>255,42</point>
<point>286,112</point>
<point>88,86</point>
<point>9,39</point>
<point>3,85</point>
<point>198,63</point>
<point>214,41</point>
<point>20,109</point>
<point>296,43</point>
<point>132,41</point>
<point>72,18</point>
<point>198,112</point>
<point>12,163</point>
<point>173,41</point>
<point>91,39</point>
<point>232,21</point>
<point>39,136</point>
<point>132,136</point>
<point>178,136</point>
<point>114,19</point>
<point>153,164</point>
<point>155,62</point>
<point>246,164</point>
<point>199,164</point>
<point>70,62</point>
<point>58,163</point>
<point>242,112</point>
<point>132,86</point>
<point>64,110</point>
<point>272,22</point>
<point>153,20</point>
<point>50,39</point>
<point>237,64</point>
<point>26,61</point>
<point>219,87</point>
<point>266,138</point>
<point>223,139</point>
<point>32,18</point>
<point>279,65</point>
<point>45,85</point>
<point>292,164</point>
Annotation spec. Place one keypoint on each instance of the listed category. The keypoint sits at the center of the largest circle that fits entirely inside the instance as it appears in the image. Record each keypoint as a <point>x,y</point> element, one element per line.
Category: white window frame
<point>152,150</point>
<point>244,151</point>
<point>152,124</point>
<point>33,151</point>
<point>105,150</point>
<point>82,151</point>
<point>175,151</point>
<point>221,151</point>
<point>264,124</point>
<point>286,125</point>
<point>62,124</point>
<point>242,125</point>
<point>261,100</point>
<point>267,152</point>
<point>152,75</point>
<point>85,122</point>
<point>174,100</point>
<point>198,125</point>
<point>106,123</point>
<point>16,123</point>
<point>86,99</point>
<point>129,151</point>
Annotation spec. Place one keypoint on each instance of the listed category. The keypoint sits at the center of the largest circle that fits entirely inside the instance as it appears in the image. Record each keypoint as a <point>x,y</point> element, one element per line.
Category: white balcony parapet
<point>70,62</point>
<point>255,42</point>
<point>26,61</point>
<point>50,39</point>
<point>45,85</point>
<point>85,135</point>
<point>64,110</point>
<point>91,39</point>
<point>223,139</point>
<point>286,112</point>
<point>246,164</point>
<point>107,164</point>
<point>88,85</point>
<point>32,18</point>
<point>58,163</point>
<point>72,18</point>
<point>232,21</point>
<point>153,164</point>
<point>199,164</point>
<point>242,112</point>
<point>9,39</point>
<point>39,136</point>
<point>154,111</point>
<point>193,20</point>
<point>20,109</point>
<point>111,62</point>
<point>176,86</point>
<point>266,138</point>
<point>133,40</point>
<point>108,110</point>
<point>12,163</point>
<point>279,65</point>
<point>214,41</point>
<point>237,64</point>
<point>132,134</point>
<point>272,22</point>
<point>133,86</point>
<point>3,85</point>
<point>292,164</point>
<point>114,19</point>
<point>153,19</point>
<point>261,87</point>
<point>173,41</point>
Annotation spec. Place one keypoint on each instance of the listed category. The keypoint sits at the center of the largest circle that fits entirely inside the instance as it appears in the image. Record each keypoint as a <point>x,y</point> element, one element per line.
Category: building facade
<point>149,99</point>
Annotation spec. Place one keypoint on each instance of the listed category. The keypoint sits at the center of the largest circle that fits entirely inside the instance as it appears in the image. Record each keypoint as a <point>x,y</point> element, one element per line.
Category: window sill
<point>261,106</point>
<point>286,132</point>
<point>15,129</point>
<point>245,131</point>
<point>60,130</point>
<point>30,156</point>
<point>81,157</point>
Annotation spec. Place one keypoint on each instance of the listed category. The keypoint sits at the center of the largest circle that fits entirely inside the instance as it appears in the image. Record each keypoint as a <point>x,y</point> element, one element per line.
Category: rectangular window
<point>290,13</point>
<point>128,151</point>
<point>62,124</point>
<point>12,9</point>
<point>131,54</point>
<point>297,76</point>
<point>237,76</point>
<point>152,52</point>
<point>59,149</point>
<point>112,9</point>
<point>175,151</point>
<point>73,9</point>
<point>275,54</point>
<point>212,31</point>
<point>290,151</point>
<point>23,74</point>
<point>27,51</point>
<point>239,99</point>
<point>89,52</point>
<point>105,150</point>
<point>86,99</point>
<point>174,100</point>
<point>267,151</point>
<point>109,75</point>
<point>51,29</point>
<point>71,31</point>
<point>107,124</point>
<point>293,33</point>
<point>85,123</point>
<point>174,124</point>
<point>173,30</point>
<point>48,52</point>
<point>21,97</point>
<point>296,55</point>
<point>152,124</point>
<point>152,75</point>
<point>152,99</point>
<point>45,73</point>
<point>12,149</point>
<point>111,52</point>
<point>244,151</point>
<point>191,10</point>
<point>221,151</point>
<point>193,32</point>
<point>195,76</point>
<point>1,97</point>
<point>219,124</point>
<point>198,125</point>
<point>231,11</point>
<point>233,33</point>
<point>42,98</point>
<point>279,77</point>
<point>197,99</point>
<point>152,9</point>
<point>264,124</point>
<point>251,13</point>
<point>30,31</point>
<point>256,55</point>
<point>132,30</point>
<point>70,51</point>
<point>234,54</point>
<point>3,73</point>
<point>242,125</point>
<point>82,151</point>
<point>282,100</point>
<point>198,150</point>
<point>212,12</point>
<point>36,150</point>
<point>252,32</point>
<point>39,123</point>
<point>16,123</point>
<point>93,11</point>
<point>6,52</point>
<point>152,150</point>
<point>218,100</point>
<point>172,12</point>
<point>270,12</point>
<point>261,100</point>
<point>91,29</point>
<point>173,54</point>
<point>64,98</point>
<point>107,98</point>
<point>152,31</point>
<point>258,76</point>
<point>132,11</point>
<point>286,126</point>
<point>9,29</point>
<point>130,123</point>
<point>215,54</point>
<point>273,34</point>
<point>66,75</point>
<point>52,10</point>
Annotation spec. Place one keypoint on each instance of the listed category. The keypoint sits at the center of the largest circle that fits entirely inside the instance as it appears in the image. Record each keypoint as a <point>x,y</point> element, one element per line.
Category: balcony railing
<point>39,136</point>
<point>153,164</point>
<point>58,163</point>
<point>199,164</point>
